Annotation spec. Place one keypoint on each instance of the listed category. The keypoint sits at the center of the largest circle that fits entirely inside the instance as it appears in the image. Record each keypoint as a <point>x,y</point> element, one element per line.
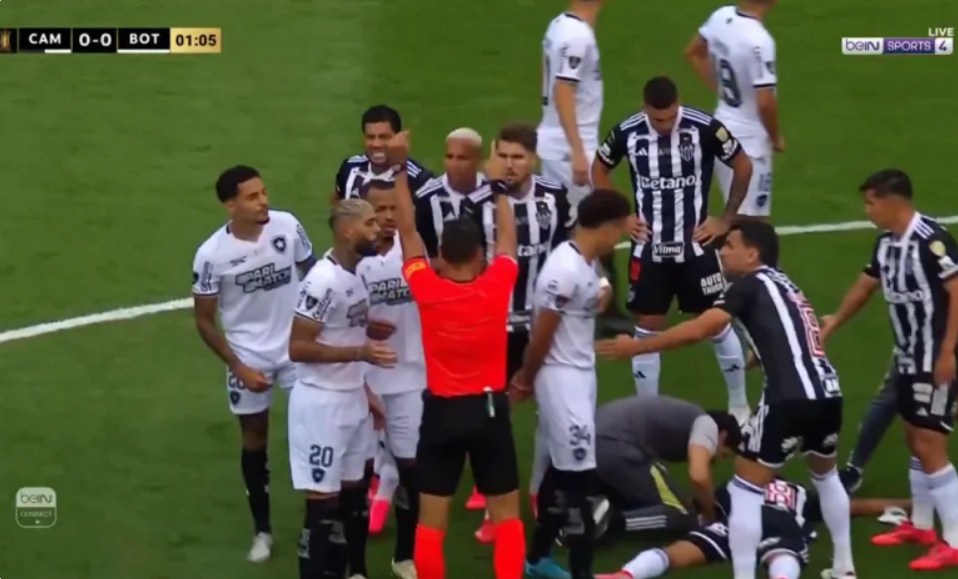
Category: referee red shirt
<point>463,326</point>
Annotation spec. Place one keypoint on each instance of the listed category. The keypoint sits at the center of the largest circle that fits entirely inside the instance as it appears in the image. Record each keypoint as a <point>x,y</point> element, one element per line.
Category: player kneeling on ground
<point>330,428</point>
<point>634,434</point>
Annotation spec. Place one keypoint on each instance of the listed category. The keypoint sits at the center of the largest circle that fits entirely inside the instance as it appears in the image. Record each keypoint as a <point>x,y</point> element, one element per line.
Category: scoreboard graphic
<point>111,41</point>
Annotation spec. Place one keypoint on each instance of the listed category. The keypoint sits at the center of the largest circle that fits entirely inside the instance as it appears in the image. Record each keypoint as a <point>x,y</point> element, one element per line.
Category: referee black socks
<point>354,507</point>
<point>256,479</point>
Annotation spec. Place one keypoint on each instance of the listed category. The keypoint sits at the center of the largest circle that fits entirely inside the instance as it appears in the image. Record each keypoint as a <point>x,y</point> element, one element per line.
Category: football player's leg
<point>881,412</point>
<point>702,282</point>
<point>567,397</point>
<point>353,500</point>
<point>316,450</point>
<point>762,452</point>
<point>252,411</point>
<point>404,414</point>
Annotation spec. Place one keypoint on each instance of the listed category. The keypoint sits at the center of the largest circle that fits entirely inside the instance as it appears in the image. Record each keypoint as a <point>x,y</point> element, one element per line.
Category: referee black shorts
<point>478,427</point>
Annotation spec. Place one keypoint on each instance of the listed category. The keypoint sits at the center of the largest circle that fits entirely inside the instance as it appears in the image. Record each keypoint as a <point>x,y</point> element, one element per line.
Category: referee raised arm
<point>464,312</point>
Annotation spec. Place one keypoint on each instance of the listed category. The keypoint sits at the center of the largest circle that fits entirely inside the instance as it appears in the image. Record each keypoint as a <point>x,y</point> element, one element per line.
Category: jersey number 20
<point>728,84</point>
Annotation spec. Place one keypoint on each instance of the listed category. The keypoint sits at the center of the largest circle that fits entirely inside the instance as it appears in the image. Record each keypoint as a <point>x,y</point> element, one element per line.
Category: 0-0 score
<point>105,39</point>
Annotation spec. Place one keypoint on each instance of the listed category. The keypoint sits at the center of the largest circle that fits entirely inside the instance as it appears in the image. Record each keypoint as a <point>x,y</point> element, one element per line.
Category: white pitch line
<point>182,304</point>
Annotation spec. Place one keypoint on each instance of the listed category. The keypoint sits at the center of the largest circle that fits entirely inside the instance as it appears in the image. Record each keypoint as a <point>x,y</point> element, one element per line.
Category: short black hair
<point>460,241</point>
<point>602,206</point>
<point>761,236</point>
<point>520,133</point>
<point>729,425</point>
<point>227,185</point>
<point>660,92</point>
<point>888,182</point>
<point>375,185</point>
<point>382,114</point>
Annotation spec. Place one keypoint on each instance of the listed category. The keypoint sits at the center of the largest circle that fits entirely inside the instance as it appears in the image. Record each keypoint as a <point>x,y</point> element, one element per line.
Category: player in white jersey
<point>734,54</point>
<point>559,368</point>
<point>572,100</point>
<point>400,388</point>
<point>571,97</point>
<point>330,428</point>
<point>248,272</point>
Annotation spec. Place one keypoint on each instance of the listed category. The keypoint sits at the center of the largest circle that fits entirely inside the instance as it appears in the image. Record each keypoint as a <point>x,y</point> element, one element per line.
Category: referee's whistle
<point>490,402</point>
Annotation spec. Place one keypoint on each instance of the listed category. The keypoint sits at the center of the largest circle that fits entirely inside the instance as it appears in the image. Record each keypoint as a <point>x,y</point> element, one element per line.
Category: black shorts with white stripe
<point>924,405</point>
<point>780,536</point>
<point>654,285</point>
<point>777,431</point>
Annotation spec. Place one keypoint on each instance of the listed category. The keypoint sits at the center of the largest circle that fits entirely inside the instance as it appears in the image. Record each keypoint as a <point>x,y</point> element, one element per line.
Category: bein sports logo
<point>863,46</point>
<point>36,507</point>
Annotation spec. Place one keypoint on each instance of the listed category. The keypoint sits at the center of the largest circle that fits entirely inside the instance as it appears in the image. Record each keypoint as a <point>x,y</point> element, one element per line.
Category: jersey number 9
<point>728,85</point>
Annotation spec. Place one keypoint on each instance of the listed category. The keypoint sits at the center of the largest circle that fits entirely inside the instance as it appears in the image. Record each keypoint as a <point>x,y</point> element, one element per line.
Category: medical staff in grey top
<point>635,434</point>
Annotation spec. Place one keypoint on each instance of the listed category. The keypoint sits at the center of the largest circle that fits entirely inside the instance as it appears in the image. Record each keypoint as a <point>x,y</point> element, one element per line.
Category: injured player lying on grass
<point>789,515</point>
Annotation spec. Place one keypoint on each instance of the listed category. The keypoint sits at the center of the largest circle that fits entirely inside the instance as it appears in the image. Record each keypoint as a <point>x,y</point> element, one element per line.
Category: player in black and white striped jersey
<point>801,407</point>
<point>543,221</point>
<point>672,151</point>
<point>460,191</point>
<point>380,123</point>
<point>915,263</point>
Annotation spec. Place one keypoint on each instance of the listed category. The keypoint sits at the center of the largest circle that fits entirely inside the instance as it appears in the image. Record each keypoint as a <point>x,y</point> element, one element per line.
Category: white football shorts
<point>243,401</point>
<point>560,171</point>
<point>403,417</point>
<point>567,398</point>
<point>758,200</point>
<point>330,437</point>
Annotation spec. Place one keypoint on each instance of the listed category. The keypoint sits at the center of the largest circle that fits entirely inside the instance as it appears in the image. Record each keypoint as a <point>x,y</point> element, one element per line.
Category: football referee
<point>464,312</point>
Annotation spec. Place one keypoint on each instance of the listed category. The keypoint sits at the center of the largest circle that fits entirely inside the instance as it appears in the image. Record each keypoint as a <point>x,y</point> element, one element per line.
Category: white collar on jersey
<point>528,192</point>
<point>906,237</point>
<point>675,127</point>
<point>445,184</point>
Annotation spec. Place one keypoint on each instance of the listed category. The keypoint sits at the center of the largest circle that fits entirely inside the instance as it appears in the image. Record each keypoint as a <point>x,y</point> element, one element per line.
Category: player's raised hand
<point>253,380</point>
<point>494,168</point>
<point>380,330</point>
<point>621,346</point>
<point>397,150</point>
<point>379,354</point>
